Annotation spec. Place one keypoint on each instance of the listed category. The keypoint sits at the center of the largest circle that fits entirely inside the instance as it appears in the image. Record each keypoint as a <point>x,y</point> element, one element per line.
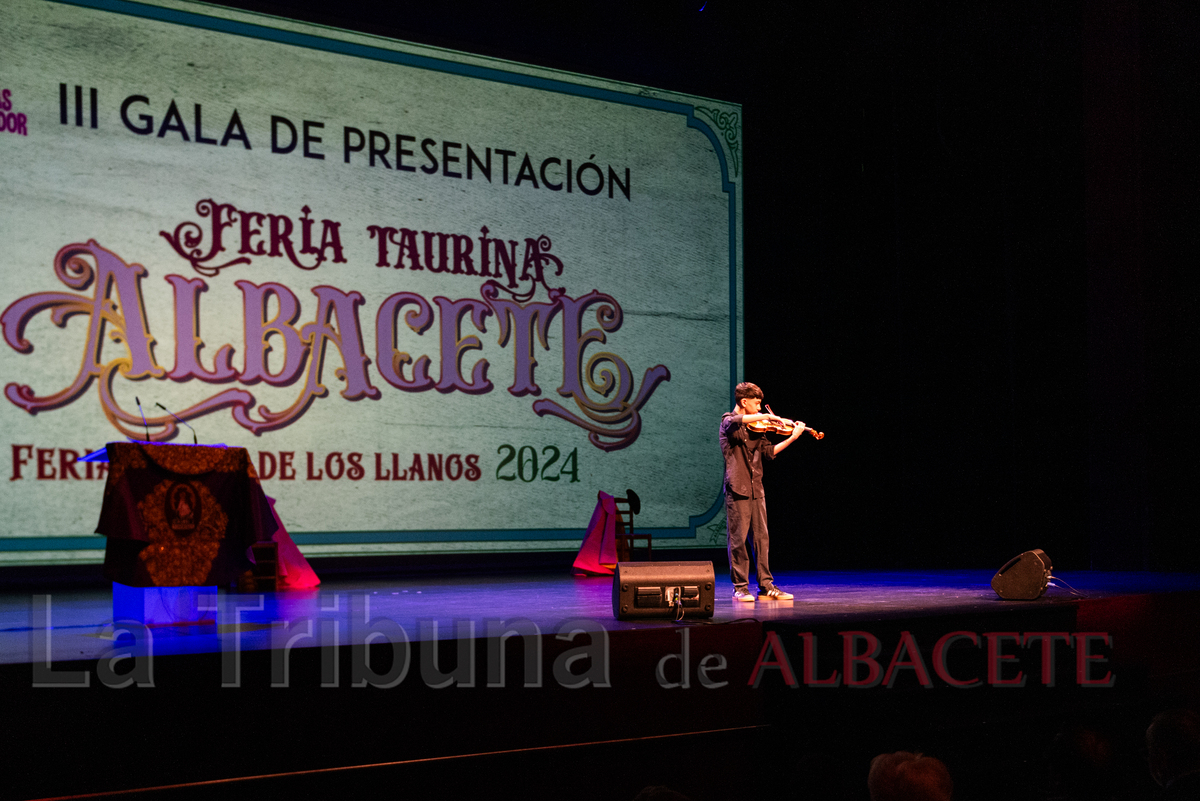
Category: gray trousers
<point>745,516</point>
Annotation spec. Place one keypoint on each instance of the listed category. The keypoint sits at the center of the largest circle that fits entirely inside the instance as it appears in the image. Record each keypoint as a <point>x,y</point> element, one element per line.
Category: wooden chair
<point>627,507</point>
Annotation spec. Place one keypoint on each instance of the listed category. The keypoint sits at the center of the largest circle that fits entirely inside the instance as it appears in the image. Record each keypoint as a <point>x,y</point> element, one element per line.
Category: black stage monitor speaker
<point>1024,577</point>
<point>663,589</point>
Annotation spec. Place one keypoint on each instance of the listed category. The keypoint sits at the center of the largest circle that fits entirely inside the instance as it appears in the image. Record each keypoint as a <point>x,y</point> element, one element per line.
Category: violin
<point>786,427</point>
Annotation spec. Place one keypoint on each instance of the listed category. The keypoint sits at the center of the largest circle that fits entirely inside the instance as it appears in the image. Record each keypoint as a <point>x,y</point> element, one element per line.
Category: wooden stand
<point>625,533</point>
<point>264,576</point>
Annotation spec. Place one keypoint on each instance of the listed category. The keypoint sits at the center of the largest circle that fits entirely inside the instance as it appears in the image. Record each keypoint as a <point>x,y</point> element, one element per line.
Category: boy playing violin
<point>745,502</point>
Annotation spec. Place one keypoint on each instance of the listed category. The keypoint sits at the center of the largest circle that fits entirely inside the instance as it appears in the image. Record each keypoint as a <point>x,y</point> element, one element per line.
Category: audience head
<point>1173,745</point>
<point>658,792</point>
<point>1081,761</point>
<point>905,776</point>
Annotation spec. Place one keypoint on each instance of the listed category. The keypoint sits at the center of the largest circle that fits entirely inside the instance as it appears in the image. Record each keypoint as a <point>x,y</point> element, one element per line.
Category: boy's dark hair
<point>746,390</point>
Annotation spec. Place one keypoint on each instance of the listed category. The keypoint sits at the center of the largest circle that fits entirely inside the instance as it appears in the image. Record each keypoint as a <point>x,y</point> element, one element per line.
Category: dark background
<point>970,255</point>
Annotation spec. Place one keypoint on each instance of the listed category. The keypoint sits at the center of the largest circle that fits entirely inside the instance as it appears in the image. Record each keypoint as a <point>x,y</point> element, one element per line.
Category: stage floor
<point>444,608</point>
<point>790,682</point>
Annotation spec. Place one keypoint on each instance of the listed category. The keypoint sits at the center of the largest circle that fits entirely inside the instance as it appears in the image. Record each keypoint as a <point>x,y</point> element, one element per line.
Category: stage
<point>78,617</point>
<point>527,680</point>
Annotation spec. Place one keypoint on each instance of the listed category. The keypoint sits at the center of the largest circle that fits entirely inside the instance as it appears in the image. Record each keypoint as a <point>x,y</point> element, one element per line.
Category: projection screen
<point>442,299</point>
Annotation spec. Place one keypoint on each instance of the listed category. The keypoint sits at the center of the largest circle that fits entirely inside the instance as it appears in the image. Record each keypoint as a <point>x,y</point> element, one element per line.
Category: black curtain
<point>970,255</point>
